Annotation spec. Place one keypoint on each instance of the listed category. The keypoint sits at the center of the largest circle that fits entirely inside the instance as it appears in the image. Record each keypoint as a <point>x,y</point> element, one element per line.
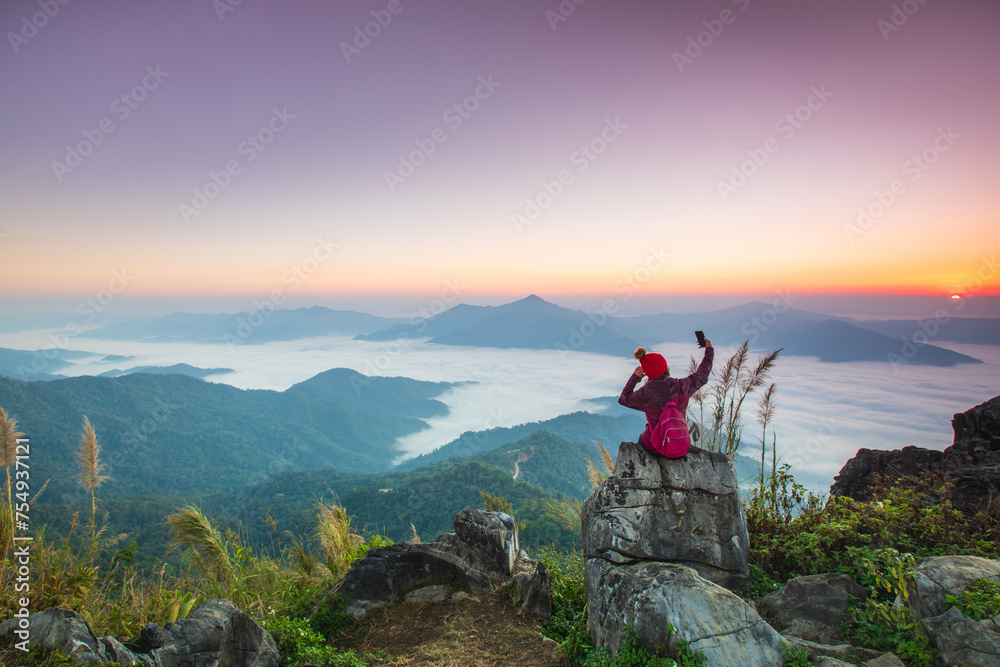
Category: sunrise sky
<point>222,148</point>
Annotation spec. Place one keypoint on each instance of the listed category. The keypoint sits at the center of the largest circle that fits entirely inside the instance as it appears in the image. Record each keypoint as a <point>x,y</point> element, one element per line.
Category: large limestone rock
<point>958,638</point>
<point>814,607</point>
<point>971,464</point>
<point>216,633</point>
<point>684,511</point>
<point>652,595</point>
<point>60,629</point>
<point>938,577</point>
<point>961,640</point>
<point>663,539</point>
<point>860,475</point>
<point>482,553</point>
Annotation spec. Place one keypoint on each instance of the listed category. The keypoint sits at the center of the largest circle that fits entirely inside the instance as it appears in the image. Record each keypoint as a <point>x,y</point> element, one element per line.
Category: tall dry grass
<point>738,379</point>
<point>91,473</point>
<point>8,456</point>
<point>339,545</point>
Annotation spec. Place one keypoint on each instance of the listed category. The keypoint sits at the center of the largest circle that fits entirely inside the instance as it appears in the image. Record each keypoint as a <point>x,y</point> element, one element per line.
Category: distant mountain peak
<point>532,301</point>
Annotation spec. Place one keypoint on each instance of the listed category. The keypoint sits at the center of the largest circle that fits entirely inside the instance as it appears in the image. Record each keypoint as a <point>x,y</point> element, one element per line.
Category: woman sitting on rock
<point>661,389</point>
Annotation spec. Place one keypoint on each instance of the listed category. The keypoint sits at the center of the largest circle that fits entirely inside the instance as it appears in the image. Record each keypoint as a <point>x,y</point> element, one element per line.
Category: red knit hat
<point>653,364</point>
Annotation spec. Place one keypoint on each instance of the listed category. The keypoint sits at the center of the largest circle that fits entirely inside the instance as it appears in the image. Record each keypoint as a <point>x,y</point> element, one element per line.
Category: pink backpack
<point>671,437</point>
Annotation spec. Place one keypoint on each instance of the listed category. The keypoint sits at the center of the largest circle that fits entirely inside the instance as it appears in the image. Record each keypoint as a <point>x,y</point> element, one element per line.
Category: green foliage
<point>880,623</point>
<point>631,653</point>
<point>389,503</point>
<point>980,601</point>
<point>39,656</point>
<point>569,602</point>
<point>878,543</point>
<point>795,657</point>
<point>761,584</point>
<point>325,611</point>
<point>915,516</point>
<point>299,644</point>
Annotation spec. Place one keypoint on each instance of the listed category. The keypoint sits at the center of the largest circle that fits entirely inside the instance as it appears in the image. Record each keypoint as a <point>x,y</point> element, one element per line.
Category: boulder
<point>59,629</point>
<point>487,541</point>
<point>384,574</point>
<point>938,577</point>
<point>869,467</point>
<point>958,638</point>
<point>481,554</point>
<point>216,633</point>
<point>684,511</point>
<point>971,465</point>
<point>652,595</point>
<point>814,607</point>
<point>885,660</point>
<point>961,640</point>
<point>533,586</point>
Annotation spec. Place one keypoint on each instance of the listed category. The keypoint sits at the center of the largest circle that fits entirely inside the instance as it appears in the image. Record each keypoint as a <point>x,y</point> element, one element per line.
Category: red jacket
<point>657,393</point>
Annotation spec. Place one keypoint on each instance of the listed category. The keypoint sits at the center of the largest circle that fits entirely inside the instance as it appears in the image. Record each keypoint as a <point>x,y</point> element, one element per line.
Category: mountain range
<point>261,326</point>
<point>533,323</point>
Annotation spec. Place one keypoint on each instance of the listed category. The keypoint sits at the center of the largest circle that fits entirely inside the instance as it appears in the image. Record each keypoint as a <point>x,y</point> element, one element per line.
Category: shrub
<point>883,625</point>
<point>915,516</point>
<point>569,602</point>
<point>299,644</point>
<point>980,601</point>
<point>631,653</point>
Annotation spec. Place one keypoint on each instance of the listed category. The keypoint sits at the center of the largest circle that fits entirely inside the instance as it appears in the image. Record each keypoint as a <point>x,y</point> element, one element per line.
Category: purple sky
<point>659,195</point>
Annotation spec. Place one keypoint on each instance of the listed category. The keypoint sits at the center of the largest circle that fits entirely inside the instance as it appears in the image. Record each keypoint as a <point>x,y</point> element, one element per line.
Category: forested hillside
<point>389,503</point>
<point>582,428</point>
<point>176,435</point>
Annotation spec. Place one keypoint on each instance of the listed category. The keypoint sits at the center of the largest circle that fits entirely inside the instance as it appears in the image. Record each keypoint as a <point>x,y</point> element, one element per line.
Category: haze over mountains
<point>533,323</point>
<point>261,326</point>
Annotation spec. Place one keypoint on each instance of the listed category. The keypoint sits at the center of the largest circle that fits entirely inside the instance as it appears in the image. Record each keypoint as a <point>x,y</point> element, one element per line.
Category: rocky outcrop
<point>482,554</point>
<point>663,539</point>
<point>216,633</point>
<point>971,464</point>
<point>958,638</point>
<point>814,607</point>
<point>862,474</point>
<point>684,511</point>
<point>651,596</point>
<point>936,578</point>
<point>961,640</point>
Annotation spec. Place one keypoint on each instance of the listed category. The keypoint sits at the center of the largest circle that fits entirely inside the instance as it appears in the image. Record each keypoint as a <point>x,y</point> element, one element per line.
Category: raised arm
<point>697,380</point>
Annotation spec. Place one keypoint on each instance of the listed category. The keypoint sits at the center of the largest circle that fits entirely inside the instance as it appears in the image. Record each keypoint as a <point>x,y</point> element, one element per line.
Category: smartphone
<point>701,338</point>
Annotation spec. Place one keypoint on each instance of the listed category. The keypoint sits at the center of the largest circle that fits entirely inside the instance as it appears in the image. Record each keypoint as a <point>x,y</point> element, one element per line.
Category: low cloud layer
<point>826,412</point>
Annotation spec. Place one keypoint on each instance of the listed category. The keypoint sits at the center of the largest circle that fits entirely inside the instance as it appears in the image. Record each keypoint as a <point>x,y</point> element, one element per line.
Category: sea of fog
<point>825,412</point>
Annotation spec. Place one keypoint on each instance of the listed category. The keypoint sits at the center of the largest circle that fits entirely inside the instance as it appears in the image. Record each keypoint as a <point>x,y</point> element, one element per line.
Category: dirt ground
<point>465,630</point>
